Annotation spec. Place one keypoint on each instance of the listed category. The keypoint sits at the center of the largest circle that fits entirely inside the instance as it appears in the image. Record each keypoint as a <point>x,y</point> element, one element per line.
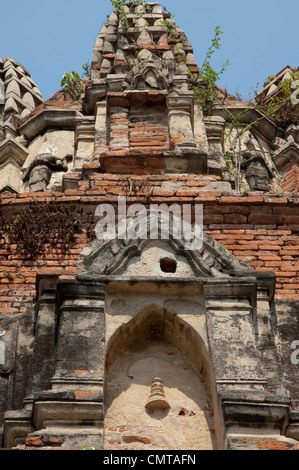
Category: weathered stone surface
<point>85,332</point>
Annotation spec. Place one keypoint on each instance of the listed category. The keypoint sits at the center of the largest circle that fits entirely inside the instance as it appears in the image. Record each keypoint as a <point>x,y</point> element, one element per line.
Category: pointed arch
<point>157,342</point>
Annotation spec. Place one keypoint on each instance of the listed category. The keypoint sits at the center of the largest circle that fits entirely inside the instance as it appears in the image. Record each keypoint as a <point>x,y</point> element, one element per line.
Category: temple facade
<point>143,340</point>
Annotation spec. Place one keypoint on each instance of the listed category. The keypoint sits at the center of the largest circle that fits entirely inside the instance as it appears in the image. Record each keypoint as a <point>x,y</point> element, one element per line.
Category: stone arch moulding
<point>159,343</point>
<point>111,257</point>
<point>210,296</point>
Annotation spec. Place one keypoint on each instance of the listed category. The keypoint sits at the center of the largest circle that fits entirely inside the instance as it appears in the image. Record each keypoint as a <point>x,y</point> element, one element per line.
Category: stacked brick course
<point>261,230</point>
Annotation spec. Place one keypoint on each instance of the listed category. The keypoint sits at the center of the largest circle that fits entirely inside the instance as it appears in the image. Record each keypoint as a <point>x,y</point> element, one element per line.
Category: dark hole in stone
<point>168,265</point>
<point>183,412</point>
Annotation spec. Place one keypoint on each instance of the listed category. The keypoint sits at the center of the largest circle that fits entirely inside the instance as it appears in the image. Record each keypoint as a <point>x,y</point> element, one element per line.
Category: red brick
<point>88,395</point>
<point>286,274</point>
<point>25,200</point>
<point>288,296</point>
<point>8,196</point>
<point>290,268</point>
<point>285,210</point>
<point>279,232</point>
<point>265,219</point>
<point>278,263</point>
<point>240,200</point>
<point>289,252</point>
<point>34,441</point>
<point>269,247</point>
<point>236,236</point>
<point>235,247</point>
<point>163,193</point>
<point>248,253</point>
<point>275,200</point>
<point>199,184</point>
<point>147,143</point>
<point>56,441</point>
<point>180,193</point>
<point>229,226</point>
<point>270,257</point>
<point>260,210</point>
<point>291,219</point>
<point>269,444</point>
<point>294,228</point>
<point>241,210</point>
<point>256,264</point>
<point>235,219</point>
<point>213,219</point>
<point>249,245</point>
<point>205,200</point>
<point>292,286</point>
<point>158,163</point>
<point>209,193</point>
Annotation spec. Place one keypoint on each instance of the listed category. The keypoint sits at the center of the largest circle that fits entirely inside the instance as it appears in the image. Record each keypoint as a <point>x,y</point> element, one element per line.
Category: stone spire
<point>19,96</point>
<point>145,34</point>
<point>140,78</point>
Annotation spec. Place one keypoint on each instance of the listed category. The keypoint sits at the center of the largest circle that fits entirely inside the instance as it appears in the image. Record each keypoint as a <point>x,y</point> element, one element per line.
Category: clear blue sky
<point>260,37</point>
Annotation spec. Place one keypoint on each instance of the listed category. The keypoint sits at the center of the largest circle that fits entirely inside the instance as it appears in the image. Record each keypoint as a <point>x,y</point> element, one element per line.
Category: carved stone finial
<point>157,398</point>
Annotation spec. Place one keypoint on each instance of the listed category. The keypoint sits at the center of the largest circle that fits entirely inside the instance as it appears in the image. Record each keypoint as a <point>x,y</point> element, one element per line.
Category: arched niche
<point>157,343</point>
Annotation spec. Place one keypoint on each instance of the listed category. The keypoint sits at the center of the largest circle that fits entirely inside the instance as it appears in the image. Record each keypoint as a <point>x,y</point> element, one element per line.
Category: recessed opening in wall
<point>168,265</point>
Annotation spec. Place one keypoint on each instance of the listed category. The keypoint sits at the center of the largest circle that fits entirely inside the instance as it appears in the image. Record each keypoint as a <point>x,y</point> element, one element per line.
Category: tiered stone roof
<point>21,94</point>
<point>118,49</point>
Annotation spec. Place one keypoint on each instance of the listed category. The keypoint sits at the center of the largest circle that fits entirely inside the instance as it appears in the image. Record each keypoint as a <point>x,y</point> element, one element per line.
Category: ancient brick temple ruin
<point>139,343</point>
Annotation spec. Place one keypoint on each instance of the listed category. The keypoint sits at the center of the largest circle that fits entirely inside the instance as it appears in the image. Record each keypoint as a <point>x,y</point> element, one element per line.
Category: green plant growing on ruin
<point>86,69</point>
<point>73,83</point>
<point>168,24</point>
<point>204,81</point>
<point>278,108</point>
<point>118,5</point>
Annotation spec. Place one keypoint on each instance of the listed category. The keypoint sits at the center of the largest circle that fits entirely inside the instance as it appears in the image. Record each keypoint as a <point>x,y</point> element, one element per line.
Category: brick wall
<point>290,173</point>
<point>148,128</point>
<point>261,230</point>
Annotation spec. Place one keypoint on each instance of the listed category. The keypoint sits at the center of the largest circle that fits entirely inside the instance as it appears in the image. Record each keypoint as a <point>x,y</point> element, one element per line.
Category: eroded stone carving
<point>39,173</point>
<point>148,72</point>
<point>6,346</point>
<point>257,174</point>
<point>111,257</point>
